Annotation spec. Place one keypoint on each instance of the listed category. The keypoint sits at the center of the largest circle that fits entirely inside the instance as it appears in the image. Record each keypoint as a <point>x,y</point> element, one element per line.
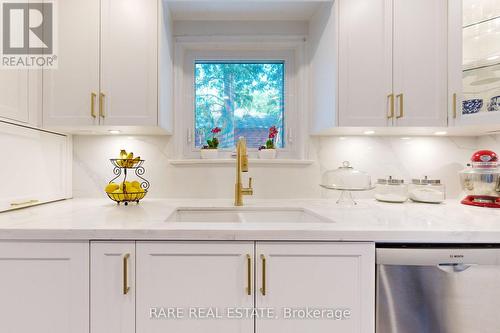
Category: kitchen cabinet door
<point>67,90</point>
<point>193,275</point>
<point>112,287</point>
<point>365,62</point>
<point>44,287</point>
<point>37,169</point>
<point>325,276</point>
<point>129,62</point>
<point>420,62</point>
<point>455,59</point>
<point>14,95</point>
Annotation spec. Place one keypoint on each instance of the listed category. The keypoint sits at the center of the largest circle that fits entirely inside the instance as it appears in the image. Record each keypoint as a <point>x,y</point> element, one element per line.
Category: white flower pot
<point>267,154</point>
<point>209,153</point>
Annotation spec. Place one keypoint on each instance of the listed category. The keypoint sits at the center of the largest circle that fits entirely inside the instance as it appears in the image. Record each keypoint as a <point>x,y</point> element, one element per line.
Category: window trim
<point>291,51</point>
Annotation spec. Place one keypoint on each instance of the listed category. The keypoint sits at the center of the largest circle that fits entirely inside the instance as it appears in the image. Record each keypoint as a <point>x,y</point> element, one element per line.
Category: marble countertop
<point>101,219</point>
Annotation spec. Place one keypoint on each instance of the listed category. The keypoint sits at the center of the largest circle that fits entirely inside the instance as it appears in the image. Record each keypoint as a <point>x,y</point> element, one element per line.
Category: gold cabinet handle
<point>126,287</point>
<point>92,104</point>
<point>391,106</point>
<point>101,105</point>
<point>454,106</point>
<point>249,275</point>
<point>263,288</point>
<point>401,106</point>
<point>23,203</point>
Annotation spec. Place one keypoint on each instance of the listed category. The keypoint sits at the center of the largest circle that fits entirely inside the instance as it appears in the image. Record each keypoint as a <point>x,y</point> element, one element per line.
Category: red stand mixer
<point>481,180</point>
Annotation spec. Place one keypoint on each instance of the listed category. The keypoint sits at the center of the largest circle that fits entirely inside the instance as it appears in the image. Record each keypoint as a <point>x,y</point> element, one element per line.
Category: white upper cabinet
<point>392,64</point>
<point>44,287</point>
<point>474,68</point>
<point>365,62</point>
<point>108,69</point>
<point>129,62</point>
<point>455,54</point>
<point>20,96</point>
<point>330,276</point>
<point>14,95</point>
<point>420,62</point>
<point>70,91</point>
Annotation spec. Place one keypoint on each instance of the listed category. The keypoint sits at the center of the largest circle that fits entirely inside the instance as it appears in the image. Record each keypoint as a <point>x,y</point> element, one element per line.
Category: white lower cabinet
<point>192,276</point>
<point>112,281</point>
<point>185,286</point>
<point>231,286</point>
<point>336,279</point>
<point>44,287</point>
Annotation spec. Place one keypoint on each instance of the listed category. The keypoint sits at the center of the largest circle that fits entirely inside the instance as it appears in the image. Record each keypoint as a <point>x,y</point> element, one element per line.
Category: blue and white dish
<point>472,106</point>
<point>494,104</point>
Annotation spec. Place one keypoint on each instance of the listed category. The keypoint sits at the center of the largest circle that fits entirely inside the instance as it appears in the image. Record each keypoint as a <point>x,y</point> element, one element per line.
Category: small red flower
<point>273,131</point>
<point>216,130</point>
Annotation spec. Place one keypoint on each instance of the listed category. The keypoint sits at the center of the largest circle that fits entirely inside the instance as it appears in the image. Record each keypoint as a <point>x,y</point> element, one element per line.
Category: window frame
<point>190,50</point>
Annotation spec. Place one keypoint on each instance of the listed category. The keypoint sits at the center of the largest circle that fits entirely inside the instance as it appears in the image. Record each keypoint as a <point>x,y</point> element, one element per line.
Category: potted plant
<point>269,150</point>
<point>210,150</point>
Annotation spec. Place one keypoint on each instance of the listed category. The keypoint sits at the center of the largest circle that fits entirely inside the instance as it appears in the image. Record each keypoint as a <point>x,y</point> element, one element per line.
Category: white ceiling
<point>243,10</point>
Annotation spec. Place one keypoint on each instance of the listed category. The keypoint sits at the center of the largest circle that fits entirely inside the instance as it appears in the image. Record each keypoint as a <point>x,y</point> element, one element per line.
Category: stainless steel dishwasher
<point>438,289</point>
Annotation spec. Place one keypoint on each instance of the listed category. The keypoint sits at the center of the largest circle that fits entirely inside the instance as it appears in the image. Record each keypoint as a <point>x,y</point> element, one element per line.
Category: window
<point>244,88</point>
<point>242,98</point>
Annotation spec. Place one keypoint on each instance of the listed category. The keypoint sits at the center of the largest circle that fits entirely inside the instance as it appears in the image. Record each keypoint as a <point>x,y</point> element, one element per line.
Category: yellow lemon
<point>142,193</point>
<point>111,187</point>
<point>118,195</point>
<point>136,184</point>
<point>128,187</point>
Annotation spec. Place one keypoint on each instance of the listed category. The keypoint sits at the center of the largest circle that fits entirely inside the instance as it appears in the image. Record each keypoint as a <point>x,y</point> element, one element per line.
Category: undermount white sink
<point>245,215</point>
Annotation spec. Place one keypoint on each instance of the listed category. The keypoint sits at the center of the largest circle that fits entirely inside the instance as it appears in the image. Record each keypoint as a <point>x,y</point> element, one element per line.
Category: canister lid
<point>426,181</point>
<point>390,181</point>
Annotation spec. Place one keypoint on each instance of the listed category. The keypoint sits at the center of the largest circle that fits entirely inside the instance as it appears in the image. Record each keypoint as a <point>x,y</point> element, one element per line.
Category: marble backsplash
<point>411,157</point>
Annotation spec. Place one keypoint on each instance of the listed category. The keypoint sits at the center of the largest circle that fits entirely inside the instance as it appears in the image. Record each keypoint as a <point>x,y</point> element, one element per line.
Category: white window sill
<point>230,161</point>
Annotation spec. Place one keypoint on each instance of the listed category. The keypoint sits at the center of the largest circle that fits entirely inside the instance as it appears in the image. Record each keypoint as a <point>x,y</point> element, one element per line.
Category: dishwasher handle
<point>454,267</point>
<point>438,256</point>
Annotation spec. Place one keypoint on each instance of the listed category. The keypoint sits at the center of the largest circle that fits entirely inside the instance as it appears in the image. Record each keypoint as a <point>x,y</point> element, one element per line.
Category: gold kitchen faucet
<point>241,166</point>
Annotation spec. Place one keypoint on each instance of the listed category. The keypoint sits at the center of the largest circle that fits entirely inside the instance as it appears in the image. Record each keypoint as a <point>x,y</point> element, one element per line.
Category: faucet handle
<point>248,190</point>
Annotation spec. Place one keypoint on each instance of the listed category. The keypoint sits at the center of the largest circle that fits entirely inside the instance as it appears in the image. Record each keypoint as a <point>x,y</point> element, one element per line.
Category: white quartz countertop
<point>101,219</point>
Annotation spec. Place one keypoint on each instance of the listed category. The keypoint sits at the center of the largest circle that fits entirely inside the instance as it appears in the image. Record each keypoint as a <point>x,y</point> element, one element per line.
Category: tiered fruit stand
<point>127,193</point>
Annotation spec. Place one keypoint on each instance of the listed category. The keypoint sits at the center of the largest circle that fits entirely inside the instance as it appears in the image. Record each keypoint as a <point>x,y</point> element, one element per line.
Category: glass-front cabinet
<point>478,100</point>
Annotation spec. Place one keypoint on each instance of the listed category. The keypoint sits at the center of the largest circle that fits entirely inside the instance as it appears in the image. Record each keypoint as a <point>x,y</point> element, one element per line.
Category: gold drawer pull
<point>23,203</point>
<point>454,106</point>
<point>391,106</point>
<point>249,275</point>
<point>126,287</point>
<point>92,104</point>
<point>263,288</point>
<point>101,105</point>
<point>401,106</point>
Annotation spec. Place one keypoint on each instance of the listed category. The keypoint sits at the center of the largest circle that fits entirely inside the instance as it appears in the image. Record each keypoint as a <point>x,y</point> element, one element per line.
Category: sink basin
<point>245,215</point>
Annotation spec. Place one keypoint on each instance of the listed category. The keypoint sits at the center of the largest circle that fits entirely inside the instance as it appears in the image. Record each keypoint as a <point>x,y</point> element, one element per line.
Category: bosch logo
<point>455,256</point>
